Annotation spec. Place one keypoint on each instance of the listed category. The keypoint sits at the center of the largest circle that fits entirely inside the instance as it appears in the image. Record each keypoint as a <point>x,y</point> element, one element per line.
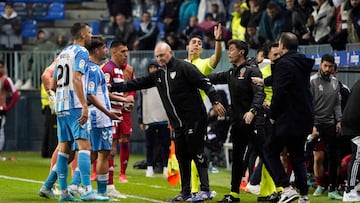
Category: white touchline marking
<point>41,182</point>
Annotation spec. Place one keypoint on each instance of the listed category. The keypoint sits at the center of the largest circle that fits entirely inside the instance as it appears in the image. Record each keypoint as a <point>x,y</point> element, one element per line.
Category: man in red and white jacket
<point>6,87</point>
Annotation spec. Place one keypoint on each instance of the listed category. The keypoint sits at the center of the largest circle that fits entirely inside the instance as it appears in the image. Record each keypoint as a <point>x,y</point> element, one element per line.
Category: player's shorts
<point>101,138</point>
<point>68,127</point>
<point>124,127</point>
<point>319,145</point>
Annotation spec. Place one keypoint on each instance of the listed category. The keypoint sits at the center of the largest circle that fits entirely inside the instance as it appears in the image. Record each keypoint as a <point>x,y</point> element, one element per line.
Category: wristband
<point>252,110</point>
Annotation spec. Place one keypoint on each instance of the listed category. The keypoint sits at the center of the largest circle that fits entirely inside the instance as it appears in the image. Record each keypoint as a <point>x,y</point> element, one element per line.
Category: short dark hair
<point>96,42</point>
<point>11,5</point>
<point>77,28</point>
<point>116,43</point>
<point>241,45</point>
<point>289,40</point>
<point>194,36</point>
<point>2,62</point>
<point>329,58</point>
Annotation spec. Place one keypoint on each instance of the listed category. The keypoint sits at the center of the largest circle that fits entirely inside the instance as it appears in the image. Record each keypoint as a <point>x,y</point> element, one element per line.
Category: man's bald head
<point>163,53</point>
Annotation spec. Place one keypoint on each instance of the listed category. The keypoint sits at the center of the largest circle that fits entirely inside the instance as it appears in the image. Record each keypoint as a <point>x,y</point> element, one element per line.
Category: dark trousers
<point>189,145</point>
<point>50,139</point>
<point>327,134</point>
<point>157,135</point>
<point>241,135</point>
<point>295,146</point>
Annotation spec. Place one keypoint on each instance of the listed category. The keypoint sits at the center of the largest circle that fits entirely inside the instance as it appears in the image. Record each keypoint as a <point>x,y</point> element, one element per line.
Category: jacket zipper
<point>168,95</point>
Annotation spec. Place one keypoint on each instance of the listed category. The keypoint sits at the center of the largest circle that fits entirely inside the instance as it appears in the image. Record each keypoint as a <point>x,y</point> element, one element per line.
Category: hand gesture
<point>218,32</point>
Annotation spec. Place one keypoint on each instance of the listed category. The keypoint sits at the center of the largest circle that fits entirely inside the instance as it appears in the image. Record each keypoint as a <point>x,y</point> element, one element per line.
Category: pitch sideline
<point>41,182</point>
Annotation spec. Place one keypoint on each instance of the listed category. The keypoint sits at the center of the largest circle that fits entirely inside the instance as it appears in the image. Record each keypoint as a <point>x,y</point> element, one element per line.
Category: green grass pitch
<point>20,181</point>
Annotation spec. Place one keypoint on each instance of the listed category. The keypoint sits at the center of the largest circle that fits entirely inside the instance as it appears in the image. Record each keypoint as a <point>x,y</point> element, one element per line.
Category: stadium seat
<point>29,28</point>
<point>39,10</point>
<point>2,7</point>
<point>21,9</point>
<point>161,28</point>
<point>95,27</point>
<point>56,11</point>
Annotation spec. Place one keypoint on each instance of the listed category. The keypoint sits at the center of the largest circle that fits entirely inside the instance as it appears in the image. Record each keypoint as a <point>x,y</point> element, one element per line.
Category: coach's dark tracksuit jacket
<point>176,84</point>
<point>351,115</point>
<point>245,95</point>
<point>243,92</point>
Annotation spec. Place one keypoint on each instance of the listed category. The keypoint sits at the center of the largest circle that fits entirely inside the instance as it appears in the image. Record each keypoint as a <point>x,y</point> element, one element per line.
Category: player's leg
<point>125,131</point>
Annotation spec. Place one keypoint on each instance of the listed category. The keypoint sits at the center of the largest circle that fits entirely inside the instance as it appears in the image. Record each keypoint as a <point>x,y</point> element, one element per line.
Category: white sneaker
<point>149,172</point>
<point>288,195</point>
<point>55,190</point>
<point>304,199</point>
<point>352,196</point>
<point>113,193</point>
<point>253,189</point>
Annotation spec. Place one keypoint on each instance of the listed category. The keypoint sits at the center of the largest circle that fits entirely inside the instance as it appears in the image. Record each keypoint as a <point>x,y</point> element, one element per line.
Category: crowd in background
<point>254,21</point>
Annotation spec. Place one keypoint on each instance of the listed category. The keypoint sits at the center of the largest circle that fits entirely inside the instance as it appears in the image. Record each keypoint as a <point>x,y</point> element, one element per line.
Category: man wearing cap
<point>246,100</point>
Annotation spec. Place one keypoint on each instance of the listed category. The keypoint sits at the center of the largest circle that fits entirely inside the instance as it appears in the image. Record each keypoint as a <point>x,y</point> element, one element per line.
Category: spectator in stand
<point>43,43</point>
<point>205,7</point>
<point>174,41</point>
<point>353,22</point>
<point>123,30</point>
<point>297,22</point>
<point>10,34</point>
<point>116,6</point>
<point>191,29</point>
<point>61,41</point>
<point>188,9</point>
<point>6,87</point>
<point>253,15</point>
<point>252,37</point>
<point>238,31</point>
<point>170,16</point>
<point>217,15</point>
<point>273,22</point>
<point>321,21</point>
<point>146,36</point>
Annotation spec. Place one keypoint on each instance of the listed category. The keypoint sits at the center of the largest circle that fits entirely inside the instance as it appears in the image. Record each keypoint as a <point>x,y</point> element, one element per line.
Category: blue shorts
<point>101,138</point>
<point>68,127</point>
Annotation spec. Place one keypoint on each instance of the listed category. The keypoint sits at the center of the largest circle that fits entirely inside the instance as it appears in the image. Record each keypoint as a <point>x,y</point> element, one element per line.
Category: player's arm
<point>215,58</point>
<point>95,101</point>
<point>119,98</point>
<point>79,91</point>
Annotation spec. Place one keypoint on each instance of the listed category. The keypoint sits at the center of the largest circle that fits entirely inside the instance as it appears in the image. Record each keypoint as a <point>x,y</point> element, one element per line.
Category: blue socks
<point>62,169</point>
